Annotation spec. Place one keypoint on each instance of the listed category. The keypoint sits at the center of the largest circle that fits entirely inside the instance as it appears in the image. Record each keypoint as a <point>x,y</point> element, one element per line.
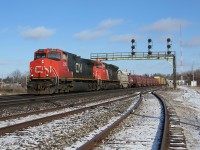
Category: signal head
<point>168,52</point>
<point>149,46</point>
<point>168,40</point>
<point>133,41</point>
<point>168,46</point>
<point>149,40</point>
<point>133,47</point>
<point>149,52</point>
<point>132,53</point>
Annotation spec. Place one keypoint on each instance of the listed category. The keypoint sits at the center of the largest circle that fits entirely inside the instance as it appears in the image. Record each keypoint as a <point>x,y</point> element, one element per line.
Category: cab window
<point>54,55</point>
<point>64,57</point>
<point>40,55</point>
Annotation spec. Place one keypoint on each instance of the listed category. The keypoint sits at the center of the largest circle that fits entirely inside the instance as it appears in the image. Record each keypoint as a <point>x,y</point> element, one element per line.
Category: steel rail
<point>165,127</point>
<point>12,102</point>
<point>48,110</point>
<point>173,136</point>
<point>98,137</point>
<point>34,99</point>
<point>35,122</point>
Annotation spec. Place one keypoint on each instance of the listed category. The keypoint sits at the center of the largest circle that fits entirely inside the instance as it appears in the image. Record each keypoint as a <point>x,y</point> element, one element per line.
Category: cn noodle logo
<point>78,68</point>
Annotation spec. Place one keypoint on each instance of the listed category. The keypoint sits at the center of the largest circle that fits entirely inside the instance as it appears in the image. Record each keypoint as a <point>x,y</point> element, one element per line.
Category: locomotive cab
<point>48,66</point>
<point>100,71</point>
<point>49,63</point>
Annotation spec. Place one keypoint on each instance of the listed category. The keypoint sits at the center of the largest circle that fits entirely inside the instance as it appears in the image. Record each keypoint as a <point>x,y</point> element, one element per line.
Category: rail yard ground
<point>185,100</point>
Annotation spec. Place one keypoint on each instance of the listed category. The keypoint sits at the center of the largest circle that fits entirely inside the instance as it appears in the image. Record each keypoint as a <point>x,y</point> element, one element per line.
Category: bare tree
<point>16,75</point>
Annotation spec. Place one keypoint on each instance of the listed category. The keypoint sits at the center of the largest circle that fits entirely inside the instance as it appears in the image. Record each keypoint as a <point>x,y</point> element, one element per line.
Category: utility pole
<point>181,53</point>
<point>192,72</point>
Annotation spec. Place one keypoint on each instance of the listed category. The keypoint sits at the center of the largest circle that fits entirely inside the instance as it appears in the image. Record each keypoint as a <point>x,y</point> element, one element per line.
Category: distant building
<point>181,82</point>
<point>170,83</point>
<point>193,83</point>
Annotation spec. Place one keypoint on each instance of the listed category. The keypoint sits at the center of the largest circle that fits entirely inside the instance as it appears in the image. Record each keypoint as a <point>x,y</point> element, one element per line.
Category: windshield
<point>40,55</point>
<point>54,56</point>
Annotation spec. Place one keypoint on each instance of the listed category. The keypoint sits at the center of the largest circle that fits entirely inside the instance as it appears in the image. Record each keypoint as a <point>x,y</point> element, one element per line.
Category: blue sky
<point>83,27</point>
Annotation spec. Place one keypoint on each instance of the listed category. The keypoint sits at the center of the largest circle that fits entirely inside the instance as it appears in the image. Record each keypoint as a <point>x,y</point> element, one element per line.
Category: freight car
<point>57,71</point>
<point>123,78</point>
<point>139,81</point>
<point>160,80</point>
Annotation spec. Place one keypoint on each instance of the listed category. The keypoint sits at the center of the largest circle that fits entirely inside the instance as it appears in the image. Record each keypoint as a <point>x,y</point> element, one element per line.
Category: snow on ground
<point>186,102</point>
<point>33,117</point>
<point>141,130</point>
<point>96,132</point>
<point>59,132</point>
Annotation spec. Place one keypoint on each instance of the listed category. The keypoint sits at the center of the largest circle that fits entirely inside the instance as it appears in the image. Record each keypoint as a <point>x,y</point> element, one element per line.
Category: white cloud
<point>90,34</point>
<point>38,33</point>
<point>110,23</point>
<point>165,25</point>
<point>101,30</point>
<point>124,38</point>
<point>194,42</point>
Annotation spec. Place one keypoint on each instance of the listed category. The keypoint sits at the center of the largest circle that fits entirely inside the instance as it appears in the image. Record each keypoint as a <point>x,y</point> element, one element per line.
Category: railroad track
<point>168,133</point>
<point>16,100</point>
<point>65,128</point>
<point>54,101</point>
<point>131,133</point>
<point>75,104</point>
<point>173,136</point>
<point>68,132</point>
<point>83,106</point>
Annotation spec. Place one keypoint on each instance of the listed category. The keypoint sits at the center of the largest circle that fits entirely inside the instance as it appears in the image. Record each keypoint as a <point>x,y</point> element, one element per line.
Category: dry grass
<point>10,91</point>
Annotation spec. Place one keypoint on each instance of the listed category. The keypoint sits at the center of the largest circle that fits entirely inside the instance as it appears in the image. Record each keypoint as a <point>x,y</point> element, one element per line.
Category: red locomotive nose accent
<point>100,71</point>
<point>40,68</point>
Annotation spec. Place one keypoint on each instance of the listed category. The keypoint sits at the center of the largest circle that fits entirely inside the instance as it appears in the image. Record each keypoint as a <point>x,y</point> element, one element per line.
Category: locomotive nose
<point>40,68</point>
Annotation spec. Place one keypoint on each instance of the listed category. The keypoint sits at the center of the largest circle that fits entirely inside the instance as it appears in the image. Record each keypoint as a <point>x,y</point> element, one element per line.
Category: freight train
<point>57,71</point>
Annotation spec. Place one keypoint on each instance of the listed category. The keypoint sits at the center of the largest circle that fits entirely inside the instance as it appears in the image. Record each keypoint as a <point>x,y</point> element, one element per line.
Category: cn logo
<point>41,69</point>
<point>78,68</point>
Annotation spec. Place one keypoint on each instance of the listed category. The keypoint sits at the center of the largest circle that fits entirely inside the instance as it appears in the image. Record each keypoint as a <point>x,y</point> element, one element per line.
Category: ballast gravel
<point>141,130</point>
<point>63,132</point>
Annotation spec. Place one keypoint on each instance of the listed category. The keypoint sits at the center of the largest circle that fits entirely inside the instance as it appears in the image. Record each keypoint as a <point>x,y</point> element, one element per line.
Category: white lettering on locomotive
<point>78,68</point>
<point>40,69</point>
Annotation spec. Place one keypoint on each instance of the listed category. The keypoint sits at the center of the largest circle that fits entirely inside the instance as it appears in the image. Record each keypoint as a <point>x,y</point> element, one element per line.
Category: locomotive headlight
<point>47,75</point>
<point>31,75</point>
<point>42,61</point>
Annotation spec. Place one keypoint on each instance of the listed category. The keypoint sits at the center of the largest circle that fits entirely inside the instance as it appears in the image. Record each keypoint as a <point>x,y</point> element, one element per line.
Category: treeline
<point>188,76</point>
<point>16,77</point>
